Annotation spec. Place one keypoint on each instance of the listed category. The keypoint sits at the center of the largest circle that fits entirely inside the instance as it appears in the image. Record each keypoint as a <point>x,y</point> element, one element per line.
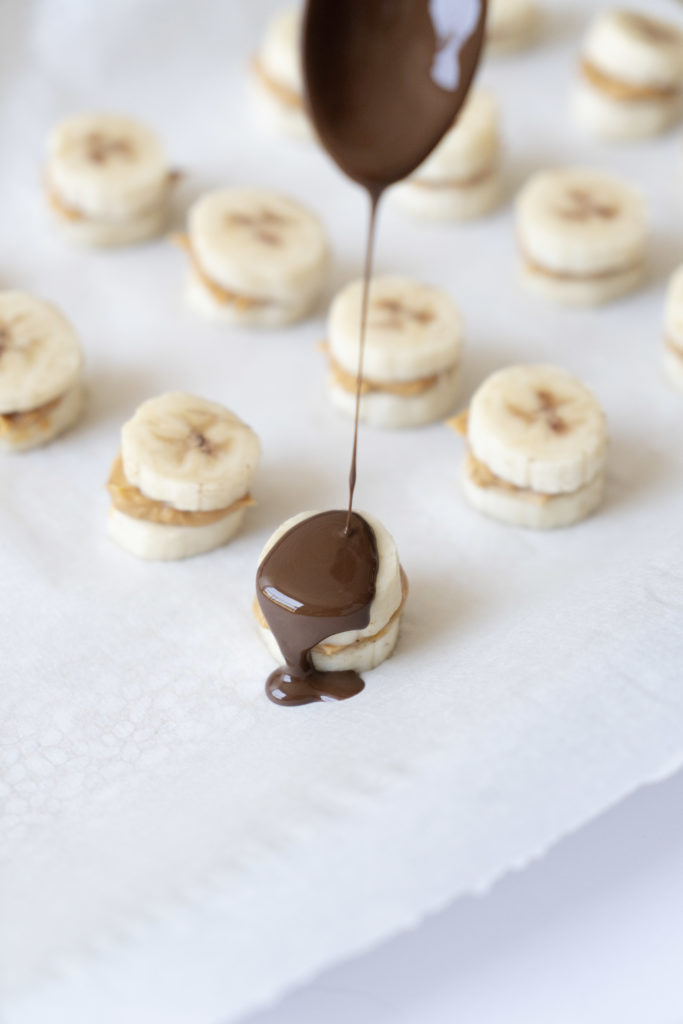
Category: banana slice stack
<point>462,178</point>
<point>630,77</point>
<point>537,445</point>
<point>582,236</point>
<point>41,393</point>
<point>277,77</point>
<point>511,25</point>
<point>357,650</point>
<point>256,257</point>
<point>180,485</point>
<point>673,331</point>
<point>107,180</point>
<point>413,348</point>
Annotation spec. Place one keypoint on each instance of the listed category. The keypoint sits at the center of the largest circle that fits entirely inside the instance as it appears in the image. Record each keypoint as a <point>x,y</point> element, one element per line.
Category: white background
<point>591,934</point>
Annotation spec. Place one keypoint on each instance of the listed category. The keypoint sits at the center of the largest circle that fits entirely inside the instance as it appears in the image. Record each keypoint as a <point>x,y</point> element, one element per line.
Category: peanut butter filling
<point>219,293</point>
<point>71,213</point>
<point>625,92</point>
<point>401,388</point>
<point>674,346</point>
<point>482,476</point>
<point>22,426</point>
<point>126,498</point>
<point>284,93</point>
<point>331,649</point>
<point>561,275</point>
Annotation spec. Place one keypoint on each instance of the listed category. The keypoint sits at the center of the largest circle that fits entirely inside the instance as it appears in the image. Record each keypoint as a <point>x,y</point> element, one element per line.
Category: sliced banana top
<point>388,587</point>
<point>510,17</point>
<point>413,330</point>
<point>581,221</point>
<point>538,427</point>
<point>280,52</point>
<point>105,165</point>
<point>193,454</point>
<point>472,144</point>
<point>635,48</point>
<point>257,242</point>
<point>40,354</point>
<point>673,316</point>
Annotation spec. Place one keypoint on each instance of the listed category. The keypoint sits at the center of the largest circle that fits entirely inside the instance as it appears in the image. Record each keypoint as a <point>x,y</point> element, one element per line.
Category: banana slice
<point>107,179</point>
<point>672,352</point>
<point>630,77</point>
<point>257,257</point>
<point>181,484</point>
<point>413,349</point>
<point>462,178</point>
<point>358,650</point>
<point>582,236</point>
<point>511,25</point>
<point>537,448</point>
<point>40,372</point>
<point>278,80</point>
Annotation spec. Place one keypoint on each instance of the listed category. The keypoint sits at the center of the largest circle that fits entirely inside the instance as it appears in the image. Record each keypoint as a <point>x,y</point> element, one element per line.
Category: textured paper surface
<point>174,848</point>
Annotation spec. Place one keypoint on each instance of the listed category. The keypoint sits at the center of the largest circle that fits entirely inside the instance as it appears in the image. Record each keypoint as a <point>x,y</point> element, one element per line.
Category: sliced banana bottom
<point>672,358</point>
<point>537,447</point>
<point>387,404</point>
<point>616,119</point>
<point>451,199</point>
<point>277,79</point>
<point>354,650</point>
<point>21,431</point>
<point>517,506</point>
<point>180,486</point>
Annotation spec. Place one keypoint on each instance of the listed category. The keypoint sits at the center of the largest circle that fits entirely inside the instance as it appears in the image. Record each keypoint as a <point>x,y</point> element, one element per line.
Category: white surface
<point>593,933</point>
<point>209,848</point>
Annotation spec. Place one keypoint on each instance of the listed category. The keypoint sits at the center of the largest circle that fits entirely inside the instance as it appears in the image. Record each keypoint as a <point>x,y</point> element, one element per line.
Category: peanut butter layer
<point>400,388</point>
<point>330,649</point>
<point>132,502</point>
<point>471,182</point>
<point>62,209</point>
<point>561,275</point>
<point>286,95</point>
<point>220,294</point>
<point>674,346</point>
<point>626,92</point>
<point>459,422</point>
<point>482,476</point>
<point>23,426</point>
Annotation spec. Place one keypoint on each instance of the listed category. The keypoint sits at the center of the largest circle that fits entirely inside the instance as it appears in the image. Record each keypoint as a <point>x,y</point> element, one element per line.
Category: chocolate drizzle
<point>317,580</point>
<point>385,80</point>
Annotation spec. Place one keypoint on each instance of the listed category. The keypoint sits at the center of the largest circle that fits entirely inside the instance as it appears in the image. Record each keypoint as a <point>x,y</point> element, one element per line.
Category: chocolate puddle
<point>317,580</point>
<point>385,79</point>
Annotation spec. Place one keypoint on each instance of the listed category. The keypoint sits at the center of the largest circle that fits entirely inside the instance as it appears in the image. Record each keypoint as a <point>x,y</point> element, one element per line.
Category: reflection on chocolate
<point>385,79</point>
<point>317,580</point>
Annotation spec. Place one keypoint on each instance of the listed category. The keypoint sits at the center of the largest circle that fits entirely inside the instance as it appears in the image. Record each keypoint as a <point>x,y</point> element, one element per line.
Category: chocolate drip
<point>317,580</point>
<point>385,80</point>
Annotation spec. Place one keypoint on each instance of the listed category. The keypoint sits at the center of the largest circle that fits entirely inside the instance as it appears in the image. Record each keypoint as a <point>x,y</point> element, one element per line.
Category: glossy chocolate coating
<point>316,581</point>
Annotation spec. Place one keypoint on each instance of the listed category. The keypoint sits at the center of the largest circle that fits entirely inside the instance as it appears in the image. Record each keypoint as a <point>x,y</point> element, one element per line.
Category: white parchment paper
<point>173,848</point>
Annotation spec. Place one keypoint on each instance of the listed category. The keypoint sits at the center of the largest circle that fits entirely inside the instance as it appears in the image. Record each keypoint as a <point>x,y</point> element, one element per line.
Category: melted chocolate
<point>385,79</point>
<point>317,580</point>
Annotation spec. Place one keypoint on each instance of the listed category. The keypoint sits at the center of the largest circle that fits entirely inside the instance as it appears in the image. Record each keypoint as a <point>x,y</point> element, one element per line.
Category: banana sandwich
<point>41,362</point>
<point>277,77</point>
<point>582,236</point>
<point>413,350</point>
<point>107,180</point>
<point>257,258</point>
<point>180,485</point>
<point>630,83</point>
<point>537,445</point>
